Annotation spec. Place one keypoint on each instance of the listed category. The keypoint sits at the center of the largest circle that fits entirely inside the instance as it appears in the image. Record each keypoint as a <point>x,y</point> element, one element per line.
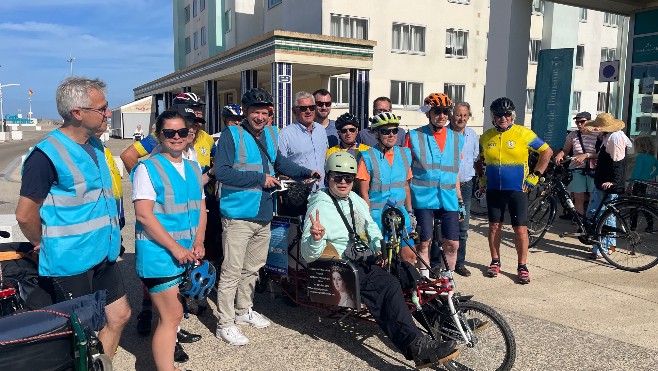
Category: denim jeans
<point>467,192</point>
<point>595,200</point>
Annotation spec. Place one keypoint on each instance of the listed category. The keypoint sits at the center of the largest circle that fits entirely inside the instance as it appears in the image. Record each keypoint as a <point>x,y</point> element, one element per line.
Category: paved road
<point>11,151</point>
<point>577,314</point>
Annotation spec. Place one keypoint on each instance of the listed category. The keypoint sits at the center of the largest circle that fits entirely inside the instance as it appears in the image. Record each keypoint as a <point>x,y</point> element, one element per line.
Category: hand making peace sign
<point>317,230</point>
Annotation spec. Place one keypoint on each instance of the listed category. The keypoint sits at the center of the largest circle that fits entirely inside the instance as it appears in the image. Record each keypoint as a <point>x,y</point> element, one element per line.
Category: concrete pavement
<point>576,314</point>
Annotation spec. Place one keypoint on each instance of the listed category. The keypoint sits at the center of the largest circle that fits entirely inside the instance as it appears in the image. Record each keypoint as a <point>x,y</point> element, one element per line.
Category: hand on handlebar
<point>316,174</point>
<point>271,182</point>
<point>579,159</point>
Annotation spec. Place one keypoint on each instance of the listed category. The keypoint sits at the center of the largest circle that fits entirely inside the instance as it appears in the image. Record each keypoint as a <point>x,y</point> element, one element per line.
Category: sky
<point>126,43</point>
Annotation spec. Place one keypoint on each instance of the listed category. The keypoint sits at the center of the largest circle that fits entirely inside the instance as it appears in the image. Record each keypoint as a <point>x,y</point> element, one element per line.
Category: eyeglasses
<point>351,130</point>
<point>101,110</point>
<point>501,115</point>
<point>444,111</point>
<point>306,108</point>
<point>348,178</point>
<point>171,133</point>
<point>323,104</point>
<point>389,131</point>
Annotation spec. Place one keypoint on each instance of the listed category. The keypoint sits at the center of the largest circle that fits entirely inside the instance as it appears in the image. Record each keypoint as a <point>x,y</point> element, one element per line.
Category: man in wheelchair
<point>339,224</point>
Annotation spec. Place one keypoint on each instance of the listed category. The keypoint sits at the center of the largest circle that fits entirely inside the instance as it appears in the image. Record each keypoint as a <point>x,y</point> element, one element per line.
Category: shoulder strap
<point>580,139</point>
<point>259,144</point>
<point>350,230</point>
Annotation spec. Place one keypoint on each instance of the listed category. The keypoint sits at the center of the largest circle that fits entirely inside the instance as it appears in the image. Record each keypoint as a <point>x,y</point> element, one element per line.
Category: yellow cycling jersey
<point>354,152</point>
<point>506,156</point>
<point>116,175</point>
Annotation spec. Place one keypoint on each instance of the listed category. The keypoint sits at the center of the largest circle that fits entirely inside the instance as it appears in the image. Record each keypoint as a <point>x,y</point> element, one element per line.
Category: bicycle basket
<point>294,201</point>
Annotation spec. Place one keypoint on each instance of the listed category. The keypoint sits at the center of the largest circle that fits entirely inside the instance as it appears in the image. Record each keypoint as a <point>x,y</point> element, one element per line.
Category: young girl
<point>646,164</point>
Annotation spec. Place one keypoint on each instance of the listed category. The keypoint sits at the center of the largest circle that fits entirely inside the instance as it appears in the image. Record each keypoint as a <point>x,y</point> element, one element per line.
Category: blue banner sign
<point>551,111</point>
<point>277,256</point>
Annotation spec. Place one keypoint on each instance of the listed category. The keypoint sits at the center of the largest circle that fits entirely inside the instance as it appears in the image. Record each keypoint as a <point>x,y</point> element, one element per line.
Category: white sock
<point>425,272</point>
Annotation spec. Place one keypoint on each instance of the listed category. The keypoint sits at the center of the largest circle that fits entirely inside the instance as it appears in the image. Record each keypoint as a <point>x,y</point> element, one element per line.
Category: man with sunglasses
<point>504,149</point>
<point>67,211</point>
<point>435,184</point>
<point>583,144</point>
<point>304,142</point>
<point>384,172</point>
<point>369,136</point>
<point>246,160</point>
<point>347,126</point>
<point>323,100</point>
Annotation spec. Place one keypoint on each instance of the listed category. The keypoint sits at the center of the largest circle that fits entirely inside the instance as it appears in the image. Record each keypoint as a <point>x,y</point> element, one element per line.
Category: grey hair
<point>302,95</point>
<point>464,104</point>
<point>73,92</point>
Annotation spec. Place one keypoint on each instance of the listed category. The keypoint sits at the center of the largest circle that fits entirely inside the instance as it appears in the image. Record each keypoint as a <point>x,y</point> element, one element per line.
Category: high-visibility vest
<point>244,203</point>
<point>177,207</point>
<point>387,181</point>
<point>79,219</point>
<point>434,182</point>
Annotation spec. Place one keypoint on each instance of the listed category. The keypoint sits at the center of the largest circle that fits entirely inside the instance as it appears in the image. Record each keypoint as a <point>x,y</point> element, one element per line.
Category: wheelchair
<point>484,337</point>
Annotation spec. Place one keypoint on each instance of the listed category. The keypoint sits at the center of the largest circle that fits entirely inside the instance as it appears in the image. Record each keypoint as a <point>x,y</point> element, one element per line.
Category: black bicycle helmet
<point>502,105</point>
<point>256,97</point>
<point>346,119</point>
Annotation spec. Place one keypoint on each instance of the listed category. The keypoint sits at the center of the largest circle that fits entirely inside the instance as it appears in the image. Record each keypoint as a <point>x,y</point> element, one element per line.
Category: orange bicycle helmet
<point>438,100</point>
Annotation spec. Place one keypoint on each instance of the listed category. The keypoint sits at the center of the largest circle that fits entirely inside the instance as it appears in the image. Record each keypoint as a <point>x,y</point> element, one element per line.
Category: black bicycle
<point>622,226</point>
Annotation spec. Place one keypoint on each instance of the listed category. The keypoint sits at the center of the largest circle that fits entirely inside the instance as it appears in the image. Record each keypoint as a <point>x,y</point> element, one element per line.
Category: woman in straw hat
<point>610,170</point>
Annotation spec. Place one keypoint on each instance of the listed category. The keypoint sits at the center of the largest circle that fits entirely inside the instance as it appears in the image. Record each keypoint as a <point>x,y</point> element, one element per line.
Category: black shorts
<point>104,276</point>
<point>449,223</point>
<point>159,284</point>
<point>517,202</point>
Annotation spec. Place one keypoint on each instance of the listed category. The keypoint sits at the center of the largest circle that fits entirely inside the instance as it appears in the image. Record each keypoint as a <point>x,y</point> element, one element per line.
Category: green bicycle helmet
<point>341,162</point>
<point>383,119</point>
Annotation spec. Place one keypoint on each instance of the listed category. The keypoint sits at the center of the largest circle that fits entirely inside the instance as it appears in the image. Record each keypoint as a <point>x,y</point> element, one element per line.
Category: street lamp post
<point>2,113</point>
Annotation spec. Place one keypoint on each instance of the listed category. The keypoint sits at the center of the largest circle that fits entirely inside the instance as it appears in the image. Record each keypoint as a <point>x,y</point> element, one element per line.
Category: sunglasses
<point>171,133</point>
<point>388,131</point>
<point>581,121</point>
<point>380,110</point>
<point>501,115</point>
<point>351,130</point>
<point>438,111</point>
<point>323,104</point>
<point>306,108</point>
<point>346,177</point>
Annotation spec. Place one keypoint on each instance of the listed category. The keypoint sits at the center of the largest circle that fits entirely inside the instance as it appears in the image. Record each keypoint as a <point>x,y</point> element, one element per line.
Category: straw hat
<point>605,123</point>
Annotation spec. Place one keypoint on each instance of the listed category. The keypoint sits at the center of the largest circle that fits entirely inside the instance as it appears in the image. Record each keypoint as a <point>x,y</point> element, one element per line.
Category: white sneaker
<point>232,335</point>
<point>252,318</point>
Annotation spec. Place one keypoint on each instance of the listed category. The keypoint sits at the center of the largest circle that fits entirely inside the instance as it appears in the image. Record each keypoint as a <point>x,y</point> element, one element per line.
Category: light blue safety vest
<point>244,203</point>
<point>387,181</point>
<point>434,182</point>
<point>79,218</point>
<point>177,207</point>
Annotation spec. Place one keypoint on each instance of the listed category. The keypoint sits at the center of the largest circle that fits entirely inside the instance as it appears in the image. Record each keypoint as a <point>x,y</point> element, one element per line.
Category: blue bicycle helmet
<point>231,109</point>
<point>198,280</point>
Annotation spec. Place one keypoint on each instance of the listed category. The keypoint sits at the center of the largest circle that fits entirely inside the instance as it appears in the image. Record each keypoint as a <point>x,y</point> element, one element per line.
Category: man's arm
<point>130,156</point>
<point>565,149</point>
<point>224,171</point>
<point>544,158</point>
<point>29,219</point>
<point>285,166</point>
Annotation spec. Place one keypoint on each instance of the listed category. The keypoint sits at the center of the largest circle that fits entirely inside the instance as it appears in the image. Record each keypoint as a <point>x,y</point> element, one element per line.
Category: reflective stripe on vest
<point>79,216</point>
<point>239,202</point>
<point>177,208</point>
<point>434,181</point>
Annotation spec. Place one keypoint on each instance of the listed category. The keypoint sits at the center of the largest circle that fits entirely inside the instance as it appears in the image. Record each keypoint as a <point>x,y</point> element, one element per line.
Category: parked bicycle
<point>625,224</point>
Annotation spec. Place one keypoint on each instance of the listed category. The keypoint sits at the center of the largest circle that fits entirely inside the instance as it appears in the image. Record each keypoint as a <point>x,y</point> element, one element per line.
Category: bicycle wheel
<point>541,214</point>
<point>491,346</point>
<point>627,236</point>
<point>478,199</point>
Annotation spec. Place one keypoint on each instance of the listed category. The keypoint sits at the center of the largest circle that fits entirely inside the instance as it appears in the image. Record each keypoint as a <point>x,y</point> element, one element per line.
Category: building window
<point>339,89</point>
<point>465,2</point>
<point>228,20</point>
<point>187,14</point>
<point>405,93</point>
<point>196,40</point>
<point>575,101</point>
<point>456,43</point>
<point>601,103</point>
<point>202,5</point>
<point>455,92</point>
<point>188,47</point>
<point>608,54</point>
<point>203,36</point>
<point>583,14</point>
<point>610,20</point>
<point>535,47</point>
<point>273,3</point>
<point>408,38</point>
<point>580,56</point>
<point>537,7</point>
<point>195,10</point>
<point>347,26</point>
<point>529,99</point>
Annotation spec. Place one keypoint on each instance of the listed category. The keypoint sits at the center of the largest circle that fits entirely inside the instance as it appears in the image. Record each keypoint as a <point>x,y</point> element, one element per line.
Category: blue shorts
<point>449,223</point>
<point>160,284</point>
